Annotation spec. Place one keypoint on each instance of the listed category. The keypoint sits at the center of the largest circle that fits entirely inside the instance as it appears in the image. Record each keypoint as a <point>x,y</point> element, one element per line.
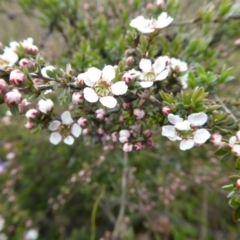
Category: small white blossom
<point>234,143</point>
<point>31,234</point>
<point>45,106</point>
<point>187,131</point>
<point>150,25</point>
<point>64,130</point>
<point>100,86</point>
<point>158,71</point>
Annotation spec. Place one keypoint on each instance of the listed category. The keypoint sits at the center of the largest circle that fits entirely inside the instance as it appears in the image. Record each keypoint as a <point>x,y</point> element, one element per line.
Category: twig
<point>118,232</point>
<point>226,109</point>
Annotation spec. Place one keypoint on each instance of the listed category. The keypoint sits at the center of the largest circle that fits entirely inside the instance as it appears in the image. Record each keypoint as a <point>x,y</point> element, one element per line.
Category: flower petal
<point>164,20</point>
<point>183,126</point>
<point>54,125</point>
<point>163,75</point>
<point>93,75</point>
<point>44,71</point>
<point>201,136</point>
<point>146,84</point>
<point>169,131</point>
<point>66,118</point>
<point>198,119</point>
<point>55,138</point>
<point>173,119</point>
<point>108,101</point>
<point>145,65</point>
<point>108,73</point>
<point>186,144</point>
<point>236,150</point>
<point>90,95</point>
<point>69,140</point>
<point>76,130</point>
<point>232,140</point>
<point>159,64</point>
<point>119,88</point>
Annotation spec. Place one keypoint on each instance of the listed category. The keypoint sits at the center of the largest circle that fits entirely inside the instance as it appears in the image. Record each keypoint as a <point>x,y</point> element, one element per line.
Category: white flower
<point>178,66</point>
<point>124,135</point>
<point>187,131</point>
<point>45,106</point>
<point>2,222</point>
<point>64,130</point>
<point>157,71</point>
<point>150,25</point>
<point>31,234</point>
<point>234,143</point>
<point>100,86</point>
<point>8,58</point>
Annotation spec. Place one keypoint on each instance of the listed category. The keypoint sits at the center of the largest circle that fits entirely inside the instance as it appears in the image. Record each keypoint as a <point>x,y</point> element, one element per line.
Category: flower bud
<point>100,114</point>
<point>38,81</point>
<point>114,136</point>
<point>127,78</point>
<point>100,131</point>
<point>82,121</point>
<point>17,78</point>
<point>30,125</point>
<point>31,114</point>
<point>147,133</point>
<point>25,62</point>
<point>127,147</point>
<point>130,60</point>
<point>24,106</point>
<point>160,3</point>
<point>150,143</point>
<point>121,118</point>
<point>45,106</point>
<point>138,146</point>
<point>124,135</point>
<point>77,98</point>
<point>138,113</point>
<point>126,106</point>
<point>237,42</point>
<point>216,139</point>
<point>238,185</point>
<point>166,111</point>
<point>81,79</point>
<point>85,131</point>
<point>31,49</point>
<point>4,88</point>
<point>13,97</point>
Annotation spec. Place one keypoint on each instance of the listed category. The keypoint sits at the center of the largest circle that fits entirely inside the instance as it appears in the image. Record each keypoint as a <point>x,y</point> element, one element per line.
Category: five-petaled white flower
<point>100,86</point>
<point>64,130</point>
<point>157,71</point>
<point>187,131</point>
<point>150,25</point>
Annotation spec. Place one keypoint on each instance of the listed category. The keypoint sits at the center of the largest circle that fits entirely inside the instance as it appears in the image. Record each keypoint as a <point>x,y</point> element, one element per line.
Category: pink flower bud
<point>17,78</point>
<point>126,106</point>
<point>121,119</point>
<point>31,49</point>
<point>124,135</point>
<point>237,42</point>
<point>114,136</point>
<point>30,125</point>
<point>147,133</point>
<point>160,3</point>
<point>85,131</point>
<point>45,106</point>
<point>237,184</point>
<point>127,147</point>
<point>100,114</point>
<point>150,143</point>
<point>216,139</point>
<point>149,6</point>
<point>38,81</point>
<point>166,111</point>
<point>81,79</point>
<point>100,131</point>
<point>13,97</point>
<point>24,106</point>
<point>138,146</point>
<point>130,60</point>
<point>4,88</point>
<point>138,113</point>
<point>25,62</point>
<point>77,98</point>
<point>127,78</point>
<point>82,121</point>
<point>31,114</point>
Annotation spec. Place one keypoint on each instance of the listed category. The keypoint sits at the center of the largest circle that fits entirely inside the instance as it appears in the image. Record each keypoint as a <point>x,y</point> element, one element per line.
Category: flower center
<point>102,88</point>
<point>149,76</point>
<point>185,134</point>
<point>65,130</point>
<point>151,23</point>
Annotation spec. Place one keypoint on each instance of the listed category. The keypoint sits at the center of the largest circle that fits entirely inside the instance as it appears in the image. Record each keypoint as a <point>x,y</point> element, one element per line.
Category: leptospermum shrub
<point>163,82</point>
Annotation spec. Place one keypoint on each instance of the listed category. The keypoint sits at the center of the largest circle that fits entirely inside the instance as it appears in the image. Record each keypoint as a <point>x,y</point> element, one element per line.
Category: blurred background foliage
<point>170,194</point>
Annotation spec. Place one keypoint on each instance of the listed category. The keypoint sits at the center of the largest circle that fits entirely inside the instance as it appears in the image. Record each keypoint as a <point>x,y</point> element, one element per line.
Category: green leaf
<point>234,202</point>
<point>14,110</point>
<point>236,214</point>
<point>226,157</point>
<point>237,164</point>
<point>234,178</point>
<point>228,187</point>
<point>220,152</point>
